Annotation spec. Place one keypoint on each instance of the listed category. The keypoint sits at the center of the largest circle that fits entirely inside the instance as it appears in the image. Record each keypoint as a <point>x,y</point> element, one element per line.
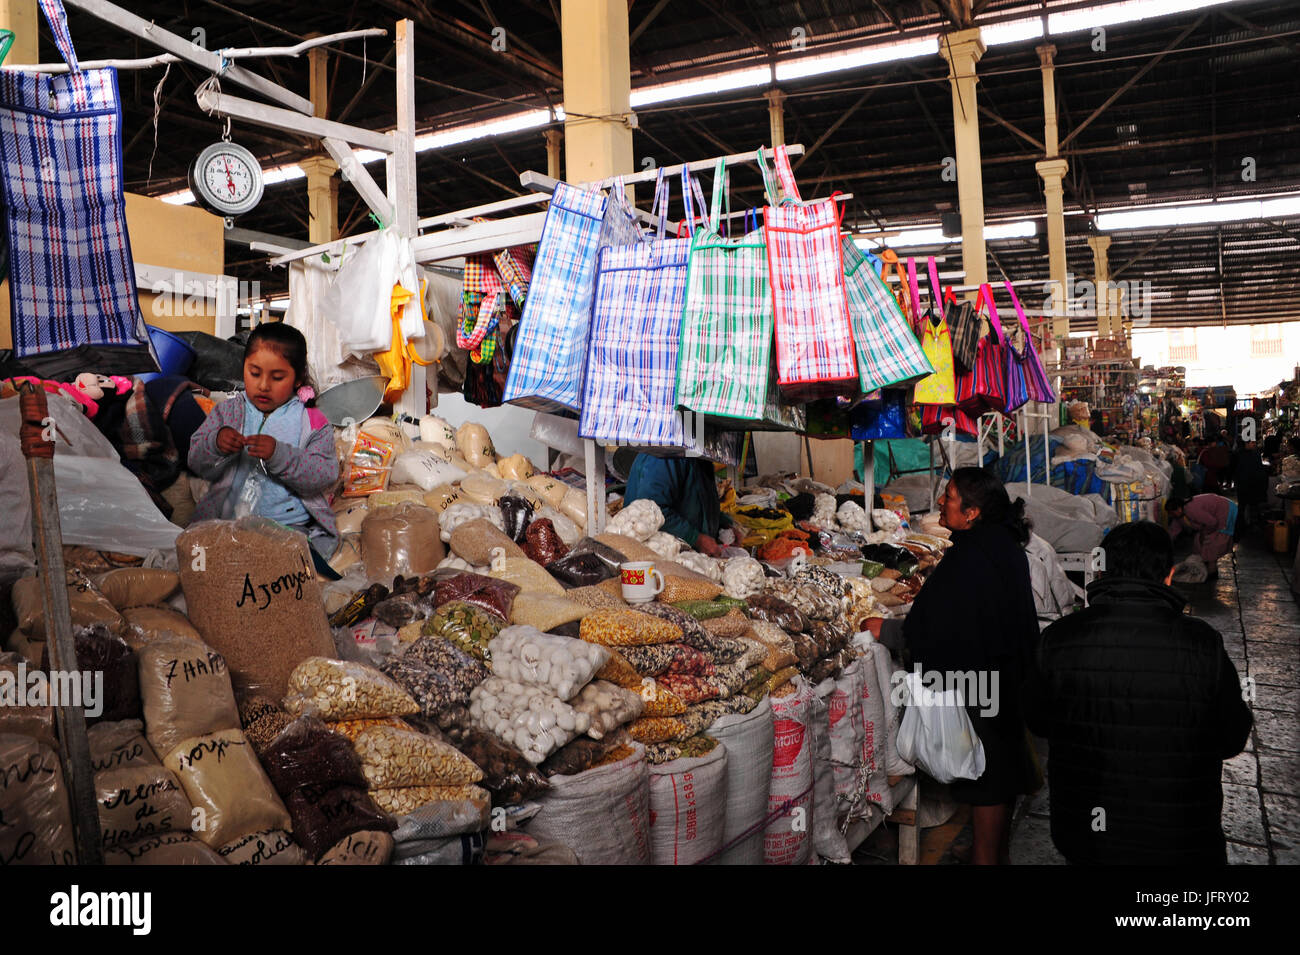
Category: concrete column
<point>1100,245</point>
<point>24,19</point>
<point>554,140</point>
<point>963,50</point>
<point>597,89</point>
<point>776,116</point>
<point>322,187</point>
<point>1053,169</point>
<point>322,198</point>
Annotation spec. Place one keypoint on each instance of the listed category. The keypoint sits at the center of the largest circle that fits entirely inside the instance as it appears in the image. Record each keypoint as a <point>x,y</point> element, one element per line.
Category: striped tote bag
<point>887,350</point>
<point>1038,385</point>
<point>815,355</point>
<point>630,395</point>
<point>726,367</point>
<point>71,276</point>
<point>546,372</point>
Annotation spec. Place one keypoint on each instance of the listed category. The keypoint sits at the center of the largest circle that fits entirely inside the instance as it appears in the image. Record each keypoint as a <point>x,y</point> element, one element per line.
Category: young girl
<point>270,426</point>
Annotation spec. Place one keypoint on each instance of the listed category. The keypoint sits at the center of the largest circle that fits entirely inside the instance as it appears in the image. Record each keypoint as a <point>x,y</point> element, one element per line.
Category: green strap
<point>769,178</point>
<point>721,194</point>
<point>6,41</point>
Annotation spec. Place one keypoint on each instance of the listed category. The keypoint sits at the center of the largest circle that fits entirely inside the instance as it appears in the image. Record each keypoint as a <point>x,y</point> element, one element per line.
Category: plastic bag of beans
<point>627,628</point>
<point>308,753</point>
<point>702,609</point>
<point>325,815</point>
<point>344,690</point>
<point>542,542</point>
<point>506,774</point>
<point>469,627</point>
<point>439,676</point>
<point>186,690</point>
<point>773,609</point>
<point>580,570</point>
<point>677,589</point>
<point>475,541</point>
<point>393,758</point>
<point>527,575</point>
<point>732,624</point>
<point>496,596</point>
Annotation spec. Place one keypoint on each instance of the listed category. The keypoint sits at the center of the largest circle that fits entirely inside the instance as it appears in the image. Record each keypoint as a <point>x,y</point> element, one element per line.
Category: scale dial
<point>227,178</point>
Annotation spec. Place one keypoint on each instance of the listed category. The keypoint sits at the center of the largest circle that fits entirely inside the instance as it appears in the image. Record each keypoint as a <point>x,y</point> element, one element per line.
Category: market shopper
<point>1140,704</point>
<point>267,447</point>
<point>686,492</point>
<point>1250,477</point>
<point>1212,519</point>
<point>976,614</point>
<point>1215,459</point>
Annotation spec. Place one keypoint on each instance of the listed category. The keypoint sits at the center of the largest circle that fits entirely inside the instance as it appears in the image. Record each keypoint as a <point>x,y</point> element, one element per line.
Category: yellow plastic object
<point>395,363</point>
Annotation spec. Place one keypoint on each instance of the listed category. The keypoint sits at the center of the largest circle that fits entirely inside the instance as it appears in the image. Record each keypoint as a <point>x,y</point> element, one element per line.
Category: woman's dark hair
<point>983,489</point>
<point>287,342</point>
<point>1138,549</point>
<point>1174,504</point>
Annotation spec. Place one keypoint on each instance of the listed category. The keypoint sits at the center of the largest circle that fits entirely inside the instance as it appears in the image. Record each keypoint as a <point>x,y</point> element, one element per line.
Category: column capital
<point>962,47</point>
<point>1052,169</point>
<point>322,166</point>
<point>1046,54</point>
<point>775,96</point>
<point>1099,244</point>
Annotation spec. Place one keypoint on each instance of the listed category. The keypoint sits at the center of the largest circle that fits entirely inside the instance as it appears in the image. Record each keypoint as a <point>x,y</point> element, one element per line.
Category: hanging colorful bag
<point>1017,387</point>
<point>547,370</point>
<point>630,395</point>
<point>71,276</point>
<point>939,388</point>
<point>887,350</point>
<point>984,387</point>
<point>726,364</point>
<point>815,354</point>
<point>934,418</point>
<point>963,326</point>
<point>885,420</point>
<point>1038,385</point>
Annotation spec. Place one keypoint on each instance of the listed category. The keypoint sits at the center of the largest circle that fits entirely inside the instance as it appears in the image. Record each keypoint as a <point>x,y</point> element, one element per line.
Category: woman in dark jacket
<point>976,615</point>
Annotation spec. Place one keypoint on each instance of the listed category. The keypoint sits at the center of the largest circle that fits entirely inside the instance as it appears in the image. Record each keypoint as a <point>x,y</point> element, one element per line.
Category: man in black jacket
<point>1140,705</point>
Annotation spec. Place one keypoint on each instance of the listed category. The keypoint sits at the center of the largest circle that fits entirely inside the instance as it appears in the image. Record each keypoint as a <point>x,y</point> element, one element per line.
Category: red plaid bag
<point>935,417</point>
<point>815,354</point>
<point>984,387</point>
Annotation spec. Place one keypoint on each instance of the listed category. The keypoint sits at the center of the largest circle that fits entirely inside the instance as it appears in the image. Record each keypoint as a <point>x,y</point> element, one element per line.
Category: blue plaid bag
<point>630,396</point>
<point>71,277</point>
<point>546,373</point>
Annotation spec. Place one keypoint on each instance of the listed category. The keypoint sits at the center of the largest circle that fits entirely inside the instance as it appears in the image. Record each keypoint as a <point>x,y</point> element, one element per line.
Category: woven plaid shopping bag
<point>939,388</point>
<point>888,352</point>
<point>725,366</point>
<point>815,356</point>
<point>630,394</point>
<point>71,276</point>
<point>546,371</point>
<point>1038,385</point>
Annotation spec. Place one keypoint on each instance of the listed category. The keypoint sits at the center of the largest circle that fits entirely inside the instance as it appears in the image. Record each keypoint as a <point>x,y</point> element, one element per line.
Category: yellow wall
<point>175,237</point>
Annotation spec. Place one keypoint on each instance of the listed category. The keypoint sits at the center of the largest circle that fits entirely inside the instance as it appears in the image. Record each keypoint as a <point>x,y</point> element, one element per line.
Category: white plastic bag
<point>359,300</point>
<point>936,733</point>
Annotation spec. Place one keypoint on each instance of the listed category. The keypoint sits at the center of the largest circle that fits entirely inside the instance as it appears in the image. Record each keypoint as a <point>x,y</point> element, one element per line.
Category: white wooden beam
<point>125,20</point>
<point>489,236</point>
<point>402,194</point>
<point>355,172</point>
<point>505,205</point>
<point>540,182</point>
<point>273,116</point>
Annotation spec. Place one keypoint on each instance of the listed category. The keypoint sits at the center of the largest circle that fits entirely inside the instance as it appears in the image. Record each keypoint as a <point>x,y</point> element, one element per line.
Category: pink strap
<point>936,297</point>
<point>786,175</point>
<point>1020,312</point>
<point>316,418</point>
<point>986,297</point>
<point>915,290</point>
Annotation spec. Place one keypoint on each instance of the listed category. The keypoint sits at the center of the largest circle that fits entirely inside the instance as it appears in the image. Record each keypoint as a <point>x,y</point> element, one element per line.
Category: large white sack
<point>788,838</point>
<point>828,840</point>
<point>847,735</point>
<point>688,809</point>
<point>603,815</point>
<point>748,738</point>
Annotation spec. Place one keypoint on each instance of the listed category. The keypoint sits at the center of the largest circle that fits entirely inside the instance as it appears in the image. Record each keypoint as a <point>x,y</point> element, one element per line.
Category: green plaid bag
<point>726,364</point>
<point>888,352</point>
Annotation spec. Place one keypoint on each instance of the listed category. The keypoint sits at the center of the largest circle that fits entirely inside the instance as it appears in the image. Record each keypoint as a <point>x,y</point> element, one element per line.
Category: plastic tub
<point>174,354</point>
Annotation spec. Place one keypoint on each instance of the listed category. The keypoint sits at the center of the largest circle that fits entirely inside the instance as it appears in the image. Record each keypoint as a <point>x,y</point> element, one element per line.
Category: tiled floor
<point>1252,605</point>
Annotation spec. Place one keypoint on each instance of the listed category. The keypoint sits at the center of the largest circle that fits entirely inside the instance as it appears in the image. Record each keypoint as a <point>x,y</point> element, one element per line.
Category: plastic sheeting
<point>1070,523</point>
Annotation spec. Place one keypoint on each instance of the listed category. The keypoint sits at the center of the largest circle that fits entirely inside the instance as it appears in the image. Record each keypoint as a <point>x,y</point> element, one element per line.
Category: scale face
<point>227,178</point>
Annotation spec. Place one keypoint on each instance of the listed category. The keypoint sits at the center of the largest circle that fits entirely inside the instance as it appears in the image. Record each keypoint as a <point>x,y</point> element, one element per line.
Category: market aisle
<point>1253,607</point>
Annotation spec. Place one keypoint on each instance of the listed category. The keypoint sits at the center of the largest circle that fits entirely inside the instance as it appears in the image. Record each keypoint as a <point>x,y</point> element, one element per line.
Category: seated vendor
<point>686,492</point>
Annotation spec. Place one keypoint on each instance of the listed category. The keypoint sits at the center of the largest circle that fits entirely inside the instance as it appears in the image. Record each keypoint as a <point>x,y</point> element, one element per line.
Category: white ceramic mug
<point>638,579</point>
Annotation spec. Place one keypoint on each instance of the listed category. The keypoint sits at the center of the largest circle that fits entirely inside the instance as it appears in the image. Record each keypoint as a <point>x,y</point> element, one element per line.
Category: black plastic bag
<point>517,514</point>
<point>580,570</point>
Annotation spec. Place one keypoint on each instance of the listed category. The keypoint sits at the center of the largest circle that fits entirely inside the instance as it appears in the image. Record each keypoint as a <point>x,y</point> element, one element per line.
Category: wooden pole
<point>37,437</point>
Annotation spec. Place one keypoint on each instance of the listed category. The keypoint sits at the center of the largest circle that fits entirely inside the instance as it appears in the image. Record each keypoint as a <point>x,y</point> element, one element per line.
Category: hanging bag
<point>984,387</point>
<point>726,365</point>
<point>963,326</point>
<point>939,388</point>
<point>887,350</point>
<point>885,420</point>
<point>71,276</point>
<point>1037,384</point>
<point>815,354</point>
<point>889,261</point>
<point>1017,386</point>
<point>935,417</point>
<point>547,370</point>
<point>630,396</point>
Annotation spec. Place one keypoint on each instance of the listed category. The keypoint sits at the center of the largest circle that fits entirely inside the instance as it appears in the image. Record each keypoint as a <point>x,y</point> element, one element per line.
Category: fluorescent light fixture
<point>496,127</point>
<point>718,83</point>
<point>1200,214</point>
<point>1016,31</point>
<point>935,236</point>
<point>1129,11</point>
<point>855,59</point>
